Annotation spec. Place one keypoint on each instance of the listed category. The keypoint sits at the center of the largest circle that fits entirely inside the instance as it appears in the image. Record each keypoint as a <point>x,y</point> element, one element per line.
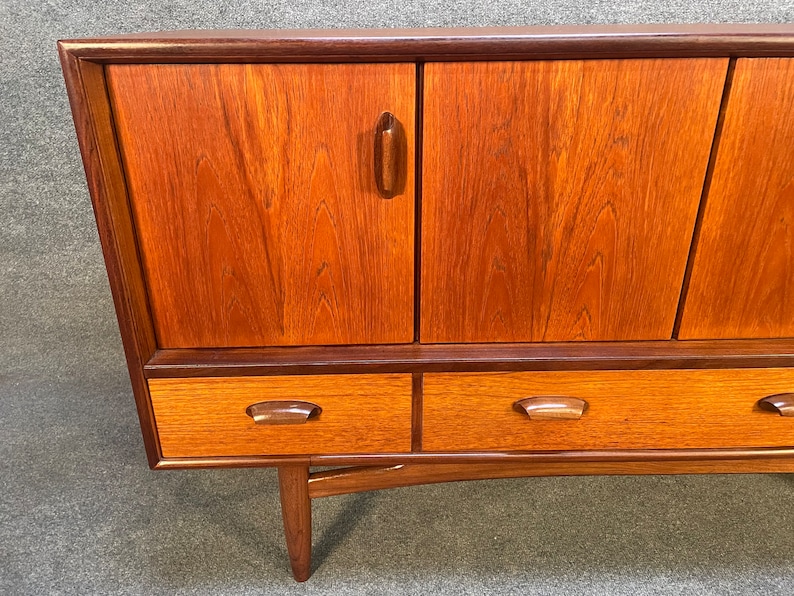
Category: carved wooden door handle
<point>283,412</point>
<point>782,403</point>
<point>390,153</point>
<point>551,407</point>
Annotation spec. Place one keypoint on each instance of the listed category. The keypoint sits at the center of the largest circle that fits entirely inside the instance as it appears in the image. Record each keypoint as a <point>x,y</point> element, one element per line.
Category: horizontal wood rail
<point>361,479</point>
<point>472,357</point>
<point>756,460</point>
<point>482,43</point>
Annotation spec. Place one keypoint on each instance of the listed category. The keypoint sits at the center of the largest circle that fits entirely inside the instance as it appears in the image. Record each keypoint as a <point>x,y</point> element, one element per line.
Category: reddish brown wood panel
<point>742,282</point>
<point>207,417</point>
<point>662,409</point>
<point>253,191</point>
<point>559,198</point>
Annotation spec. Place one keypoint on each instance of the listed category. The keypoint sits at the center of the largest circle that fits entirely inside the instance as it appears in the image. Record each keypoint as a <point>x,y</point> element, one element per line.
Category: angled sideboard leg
<point>296,509</point>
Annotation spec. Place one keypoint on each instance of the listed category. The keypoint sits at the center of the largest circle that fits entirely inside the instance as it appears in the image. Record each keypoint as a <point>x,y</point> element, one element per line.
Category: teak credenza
<point>435,255</point>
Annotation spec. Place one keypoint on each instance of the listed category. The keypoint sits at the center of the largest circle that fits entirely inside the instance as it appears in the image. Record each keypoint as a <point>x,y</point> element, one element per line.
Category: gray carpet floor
<point>81,513</point>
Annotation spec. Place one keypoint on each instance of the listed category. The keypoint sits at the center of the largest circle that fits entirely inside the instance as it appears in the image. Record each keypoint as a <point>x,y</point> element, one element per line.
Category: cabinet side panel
<point>559,197</point>
<point>254,195</point>
<point>88,95</point>
<point>742,283</point>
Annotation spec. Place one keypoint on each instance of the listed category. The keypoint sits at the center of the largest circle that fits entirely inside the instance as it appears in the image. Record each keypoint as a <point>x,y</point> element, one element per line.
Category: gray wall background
<point>81,513</point>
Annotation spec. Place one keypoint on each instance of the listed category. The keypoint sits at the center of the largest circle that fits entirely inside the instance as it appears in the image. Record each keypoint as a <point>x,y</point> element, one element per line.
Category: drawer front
<point>206,417</point>
<point>659,409</point>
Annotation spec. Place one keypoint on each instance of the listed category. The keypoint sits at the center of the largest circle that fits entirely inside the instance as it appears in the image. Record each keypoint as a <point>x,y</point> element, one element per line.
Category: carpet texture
<point>80,512</point>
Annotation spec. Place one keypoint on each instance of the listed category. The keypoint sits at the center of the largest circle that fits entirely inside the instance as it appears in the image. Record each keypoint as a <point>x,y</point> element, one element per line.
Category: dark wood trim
<point>85,84</point>
<point>417,388</point>
<point>567,42</point>
<point>410,358</point>
<point>418,161</point>
<point>638,456</point>
<point>715,145</point>
<point>347,481</point>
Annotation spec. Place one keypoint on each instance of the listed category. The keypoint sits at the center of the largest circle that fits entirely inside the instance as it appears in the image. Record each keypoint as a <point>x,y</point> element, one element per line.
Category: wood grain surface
<point>206,417</point>
<point>253,192</point>
<point>742,282</point>
<point>682,409</point>
<point>559,198</point>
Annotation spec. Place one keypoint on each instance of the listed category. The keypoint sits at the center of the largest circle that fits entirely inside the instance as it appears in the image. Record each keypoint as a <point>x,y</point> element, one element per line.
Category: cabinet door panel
<point>559,197</point>
<point>742,282</point>
<point>254,198</point>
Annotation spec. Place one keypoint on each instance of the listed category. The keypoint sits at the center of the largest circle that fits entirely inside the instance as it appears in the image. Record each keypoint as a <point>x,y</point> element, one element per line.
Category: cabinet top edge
<point>341,45</point>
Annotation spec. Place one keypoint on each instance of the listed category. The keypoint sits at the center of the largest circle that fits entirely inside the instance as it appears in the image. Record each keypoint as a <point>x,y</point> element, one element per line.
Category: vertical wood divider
<point>715,145</point>
<point>417,379</point>
<point>417,388</point>
<point>418,140</point>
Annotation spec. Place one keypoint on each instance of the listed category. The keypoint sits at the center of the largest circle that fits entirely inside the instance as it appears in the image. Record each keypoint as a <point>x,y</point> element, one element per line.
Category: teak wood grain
<point>627,410</point>
<point>254,195</point>
<point>207,417</point>
<point>238,200</point>
<point>742,282</point>
<point>559,198</point>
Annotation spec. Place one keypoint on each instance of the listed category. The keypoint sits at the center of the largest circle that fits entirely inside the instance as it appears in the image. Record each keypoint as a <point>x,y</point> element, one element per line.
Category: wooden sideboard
<point>435,255</point>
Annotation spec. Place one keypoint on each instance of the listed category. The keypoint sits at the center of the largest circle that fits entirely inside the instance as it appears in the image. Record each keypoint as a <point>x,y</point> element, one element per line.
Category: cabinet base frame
<point>298,486</point>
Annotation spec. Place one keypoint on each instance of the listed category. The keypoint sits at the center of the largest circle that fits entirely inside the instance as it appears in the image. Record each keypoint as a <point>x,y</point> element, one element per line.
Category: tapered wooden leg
<point>296,509</point>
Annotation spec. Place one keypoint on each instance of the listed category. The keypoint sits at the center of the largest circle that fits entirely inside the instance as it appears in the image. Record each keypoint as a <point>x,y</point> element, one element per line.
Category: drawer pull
<point>551,407</point>
<point>782,403</point>
<point>389,155</point>
<point>283,412</point>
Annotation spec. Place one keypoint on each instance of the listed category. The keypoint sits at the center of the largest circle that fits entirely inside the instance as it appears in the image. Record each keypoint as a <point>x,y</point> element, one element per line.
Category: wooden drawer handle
<point>782,403</point>
<point>283,412</point>
<point>551,407</point>
<point>389,155</point>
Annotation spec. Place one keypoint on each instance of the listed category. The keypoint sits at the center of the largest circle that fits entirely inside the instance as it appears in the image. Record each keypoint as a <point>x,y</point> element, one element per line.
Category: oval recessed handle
<point>283,412</point>
<point>390,153</point>
<point>551,407</point>
<point>782,403</point>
